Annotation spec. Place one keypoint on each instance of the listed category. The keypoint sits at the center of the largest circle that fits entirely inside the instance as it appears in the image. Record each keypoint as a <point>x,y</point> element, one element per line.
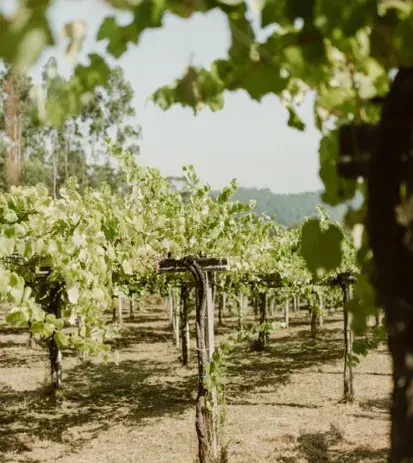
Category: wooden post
<point>185,326</point>
<point>273,306</point>
<point>209,317</point>
<point>262,337</point>
<point>114,310</point>
<point>132,306</point>
<point>377,318</point>
<point>240,311</point>
<point>207,410</point>
<point>314,322</point>
<point>176,320</point>
<point>210,347</point>
<point>221,307</point>
<point>170,307</point>
<point>320,318</point>
<point>287,312</point>
<point>55,353</point>
<point>348,347</point>
<point>256,303</point>
<point>120,310</point>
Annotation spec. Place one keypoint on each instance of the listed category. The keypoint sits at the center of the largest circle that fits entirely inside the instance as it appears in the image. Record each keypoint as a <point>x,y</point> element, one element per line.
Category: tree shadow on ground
<point>321,447</point>
<point>381,404</point>
<point>317,448</point>
<point>134,334</point>
<point>284,356</point>
<point>96,397</point>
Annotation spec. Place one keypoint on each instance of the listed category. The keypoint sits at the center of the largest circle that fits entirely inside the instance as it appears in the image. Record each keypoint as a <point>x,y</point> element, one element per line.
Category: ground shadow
<point>381,404</point>
<point>96,396</point>
<point>320,448</point>
<point>284,356</point>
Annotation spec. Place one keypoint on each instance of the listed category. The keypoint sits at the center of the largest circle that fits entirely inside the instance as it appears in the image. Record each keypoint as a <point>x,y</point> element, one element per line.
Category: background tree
<point>76,148</point>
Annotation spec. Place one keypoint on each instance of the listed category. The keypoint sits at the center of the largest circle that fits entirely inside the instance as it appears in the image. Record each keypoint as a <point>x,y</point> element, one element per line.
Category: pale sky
<point>247,140</point>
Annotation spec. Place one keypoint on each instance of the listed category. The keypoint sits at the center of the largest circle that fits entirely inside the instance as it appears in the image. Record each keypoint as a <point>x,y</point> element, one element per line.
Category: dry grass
<point>283,403</point>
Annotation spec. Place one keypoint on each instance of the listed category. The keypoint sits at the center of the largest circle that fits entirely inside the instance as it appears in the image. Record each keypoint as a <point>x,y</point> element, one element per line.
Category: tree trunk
<point>348,348</point>
<point>185,326</point>
<point>392,251</point>
<point>287,313</point>
<point>54,173</point>
<point>400,336</point>
<point>12,122</point>
<point>262,337</point>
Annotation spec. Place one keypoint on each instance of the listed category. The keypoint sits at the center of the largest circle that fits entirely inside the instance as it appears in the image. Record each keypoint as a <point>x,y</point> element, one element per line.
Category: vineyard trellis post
<point>207,407</point>
<point>185,325</point>
<point>345,280</point>
<point>240,311</point>
<point>348,345</point>
<point>262,337</point>
<point>287,312</point>
<point>132,305</point>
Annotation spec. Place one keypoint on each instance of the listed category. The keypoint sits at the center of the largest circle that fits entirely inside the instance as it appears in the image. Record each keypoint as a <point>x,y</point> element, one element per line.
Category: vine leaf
<point>321,248</point>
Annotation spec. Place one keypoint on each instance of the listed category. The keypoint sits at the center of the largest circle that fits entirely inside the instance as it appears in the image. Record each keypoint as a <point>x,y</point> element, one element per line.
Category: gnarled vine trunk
<point>206,421</point>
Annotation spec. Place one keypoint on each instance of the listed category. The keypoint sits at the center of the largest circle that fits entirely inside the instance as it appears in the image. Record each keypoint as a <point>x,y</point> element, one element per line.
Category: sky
<point>247,140</point>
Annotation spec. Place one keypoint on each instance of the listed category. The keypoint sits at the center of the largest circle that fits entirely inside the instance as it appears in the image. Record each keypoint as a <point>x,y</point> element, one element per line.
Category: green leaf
<point>61,339</point>
<point>18,316</point>
<point>294,120</point>
<point>321,249</point>
<point>37,313</point>
<point>57,322</point>
<point>97,73</point>
<point>26,294</point>
<point>127,267</point>
<point>45,329</point>
<point>10,217</point>
<point>6,246</point>
<point>73,294</point>
<point>337,189</point>
<point>118,36</point>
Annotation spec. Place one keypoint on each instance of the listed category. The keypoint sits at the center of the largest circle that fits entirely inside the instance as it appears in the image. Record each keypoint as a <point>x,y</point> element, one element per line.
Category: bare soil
<point>283,404</point>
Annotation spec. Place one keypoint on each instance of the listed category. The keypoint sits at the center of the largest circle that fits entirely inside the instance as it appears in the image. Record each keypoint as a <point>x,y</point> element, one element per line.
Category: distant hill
<point>288,209</point>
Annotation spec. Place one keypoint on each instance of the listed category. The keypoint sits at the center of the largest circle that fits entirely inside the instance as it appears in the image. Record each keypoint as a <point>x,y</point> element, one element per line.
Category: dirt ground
<point>283,405</point>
